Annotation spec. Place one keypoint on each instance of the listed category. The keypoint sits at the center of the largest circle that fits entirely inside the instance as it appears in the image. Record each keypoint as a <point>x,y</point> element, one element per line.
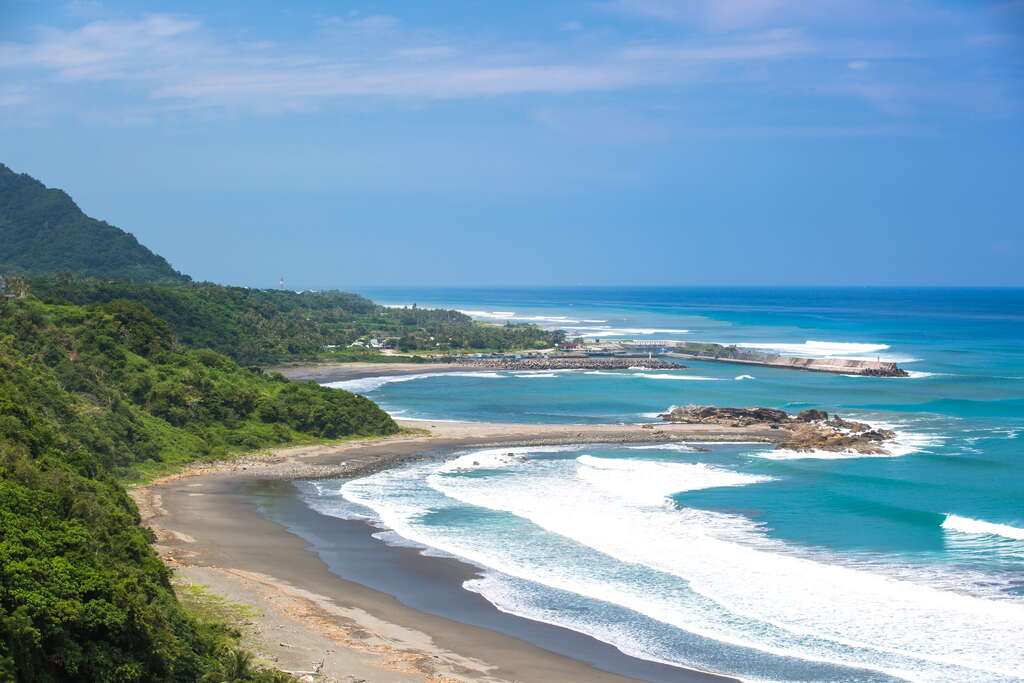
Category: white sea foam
<point>698,378</point>
<point>824,349</point>
<point>512,315</point>
<point>605,331</point>
<point>492,458</point>
<point>759,597</point>
<point>744,377</point>
<point>680,447</point>
<point>783,454</point>
<point>365,384</point>
<point>488,314</point>
<point>816,349</point>
<point>645,482</point>
<point>967,525</point>
<point>735,585</point>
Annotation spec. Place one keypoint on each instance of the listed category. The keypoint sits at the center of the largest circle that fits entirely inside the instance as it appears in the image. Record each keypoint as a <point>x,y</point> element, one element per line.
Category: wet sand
<point>209,527</point>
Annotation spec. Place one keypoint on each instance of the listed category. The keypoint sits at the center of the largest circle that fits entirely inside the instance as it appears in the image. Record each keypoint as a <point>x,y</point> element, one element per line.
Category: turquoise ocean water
<point>764,565</point>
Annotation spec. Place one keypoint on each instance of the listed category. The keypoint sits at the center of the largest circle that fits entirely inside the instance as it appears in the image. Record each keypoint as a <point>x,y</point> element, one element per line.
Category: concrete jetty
<point>718,353</point>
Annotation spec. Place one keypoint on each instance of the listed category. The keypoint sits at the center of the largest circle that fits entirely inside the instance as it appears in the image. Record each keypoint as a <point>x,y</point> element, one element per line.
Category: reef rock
<point>729,417</point>
<point>811,430</point>
<point>809,437</point>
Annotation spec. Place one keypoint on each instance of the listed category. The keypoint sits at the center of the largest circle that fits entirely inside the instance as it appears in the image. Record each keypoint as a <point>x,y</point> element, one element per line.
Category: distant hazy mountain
<point>42,231</point>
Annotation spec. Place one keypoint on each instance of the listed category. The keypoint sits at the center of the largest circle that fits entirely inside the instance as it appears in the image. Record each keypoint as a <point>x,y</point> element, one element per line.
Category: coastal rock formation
<point>727,417</point>
<point>820,436</point>
<point>811,430</point>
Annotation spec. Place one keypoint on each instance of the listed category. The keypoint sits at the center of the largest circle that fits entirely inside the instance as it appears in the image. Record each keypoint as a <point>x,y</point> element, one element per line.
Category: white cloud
<point>171,63</point>
<point>733,15</point>
<point>458,81</point>
<point>718,15</point>
<point>12,97</point>
<point>176,58</point>
<point>376,22</point>
<point>428,52</point>
<point>768,45</point>
<point>103,49</point>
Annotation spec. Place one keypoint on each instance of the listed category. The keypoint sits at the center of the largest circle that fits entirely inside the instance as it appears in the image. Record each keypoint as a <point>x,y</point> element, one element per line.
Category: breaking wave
<point>967,525</point>
<point>612,539</point>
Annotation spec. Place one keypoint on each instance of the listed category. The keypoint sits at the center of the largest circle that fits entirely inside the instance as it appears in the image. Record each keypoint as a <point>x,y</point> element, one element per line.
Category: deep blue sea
<point>761,564</point>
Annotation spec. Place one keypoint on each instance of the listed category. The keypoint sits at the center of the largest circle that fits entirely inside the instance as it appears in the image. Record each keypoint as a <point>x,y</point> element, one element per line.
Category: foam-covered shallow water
<point>658,552</point>
<point>763,564</point>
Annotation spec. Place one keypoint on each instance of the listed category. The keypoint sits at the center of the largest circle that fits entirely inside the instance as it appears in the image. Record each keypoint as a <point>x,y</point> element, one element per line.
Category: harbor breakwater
<point>570,363</point>
<point>718,353</point>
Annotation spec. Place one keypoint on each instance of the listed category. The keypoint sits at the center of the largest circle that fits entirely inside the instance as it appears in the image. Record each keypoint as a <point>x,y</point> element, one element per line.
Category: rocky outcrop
<point>727,417</point>
<point>811,430</point>
<point>822,436</point>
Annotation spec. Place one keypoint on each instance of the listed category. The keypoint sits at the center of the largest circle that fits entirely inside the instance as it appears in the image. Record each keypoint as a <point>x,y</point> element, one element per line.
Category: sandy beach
<point>209,530</point>
<point>337,372</point>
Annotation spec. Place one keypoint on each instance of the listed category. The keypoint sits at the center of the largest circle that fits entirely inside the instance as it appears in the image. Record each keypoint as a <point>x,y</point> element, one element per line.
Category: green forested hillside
<point>258,326</point>
<point>42,231</point>
<point>72,258</point>
<point>87,396</point>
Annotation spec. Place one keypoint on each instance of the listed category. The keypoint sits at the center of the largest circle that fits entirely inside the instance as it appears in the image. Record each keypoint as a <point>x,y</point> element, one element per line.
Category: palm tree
<point>238,666</point>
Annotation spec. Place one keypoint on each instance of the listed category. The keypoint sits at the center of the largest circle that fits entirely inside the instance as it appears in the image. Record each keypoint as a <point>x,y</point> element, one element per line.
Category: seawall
<point>842,366</point>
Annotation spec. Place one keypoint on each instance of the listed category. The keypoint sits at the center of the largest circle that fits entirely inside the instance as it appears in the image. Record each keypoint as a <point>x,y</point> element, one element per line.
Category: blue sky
<point>603,142</point>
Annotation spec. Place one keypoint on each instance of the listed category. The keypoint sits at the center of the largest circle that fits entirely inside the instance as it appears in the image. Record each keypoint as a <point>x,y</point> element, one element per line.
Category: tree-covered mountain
<point>90,396</point>
<point>72,258</point>
<point>42,231</point>
<point>260,326</point>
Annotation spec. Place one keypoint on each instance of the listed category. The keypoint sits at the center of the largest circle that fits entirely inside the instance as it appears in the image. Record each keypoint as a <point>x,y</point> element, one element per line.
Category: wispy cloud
<point>769,45</point>
<point>175,57</point>
<point>104,49</point>
<point>163,62</point>
<point>718,15</point>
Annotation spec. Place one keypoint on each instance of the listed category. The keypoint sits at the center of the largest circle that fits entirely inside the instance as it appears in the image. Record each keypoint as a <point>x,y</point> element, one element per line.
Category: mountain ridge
<point>44,232</point>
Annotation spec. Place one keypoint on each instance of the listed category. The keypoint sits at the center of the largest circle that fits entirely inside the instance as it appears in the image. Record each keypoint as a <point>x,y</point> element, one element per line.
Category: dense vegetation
<point>114,367</point>
<point>42,231</point>
<point>90,395</point>
<point>259,326</point>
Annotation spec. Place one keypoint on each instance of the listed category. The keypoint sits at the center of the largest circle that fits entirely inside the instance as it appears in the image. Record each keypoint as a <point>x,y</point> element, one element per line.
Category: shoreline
<point>209,530</point>
<point>338,372</point>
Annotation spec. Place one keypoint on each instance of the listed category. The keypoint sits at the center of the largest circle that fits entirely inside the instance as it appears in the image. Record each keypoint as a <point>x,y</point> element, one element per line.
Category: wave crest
<point>966,525</point>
